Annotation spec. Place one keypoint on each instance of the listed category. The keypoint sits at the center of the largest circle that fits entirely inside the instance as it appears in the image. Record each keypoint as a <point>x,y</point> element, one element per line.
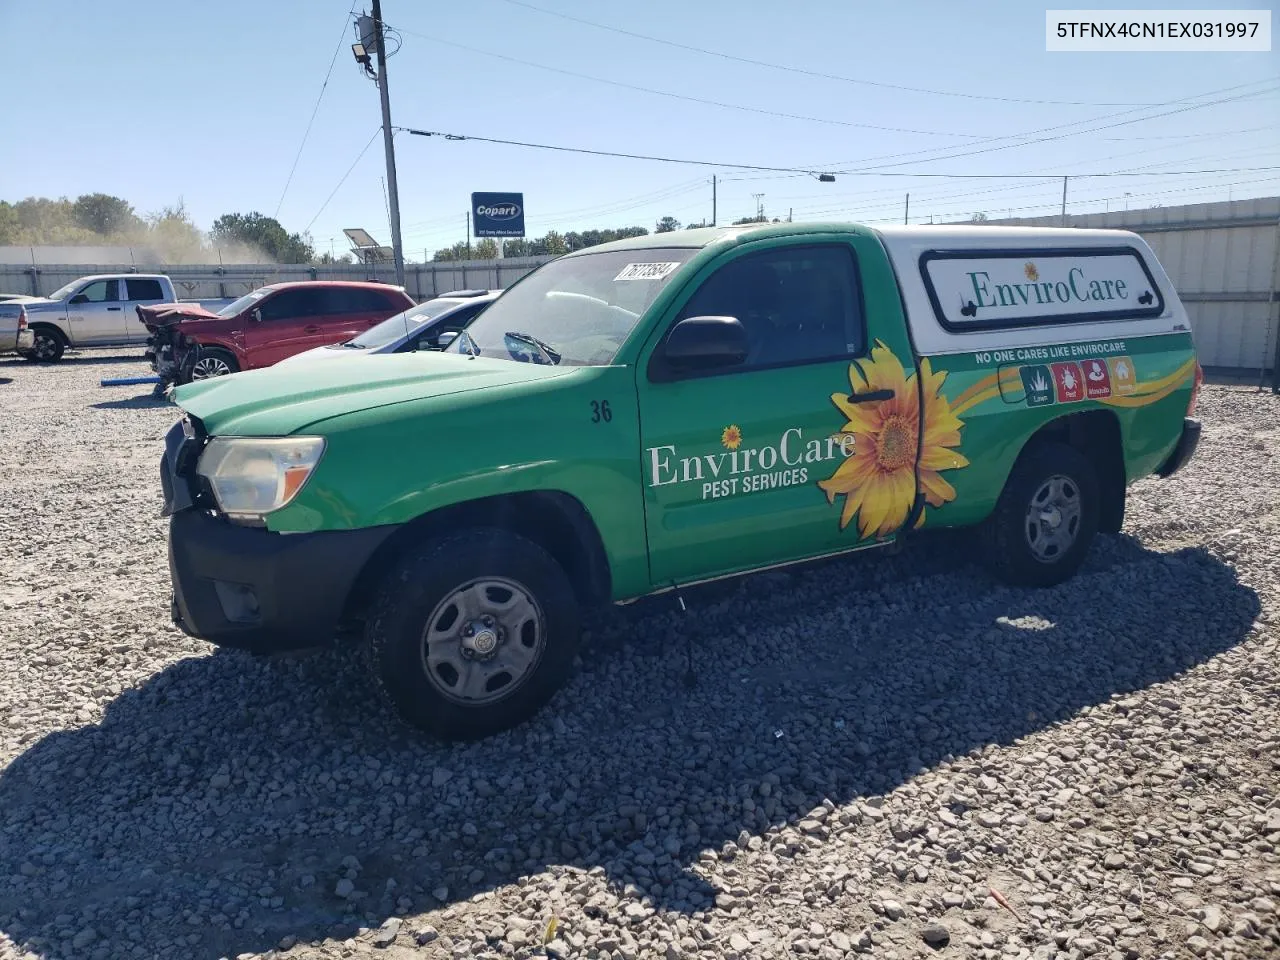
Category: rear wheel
<point>1046,518</point>
<point>48,347</point>
<point>472,633</point>
<point>213,362</point>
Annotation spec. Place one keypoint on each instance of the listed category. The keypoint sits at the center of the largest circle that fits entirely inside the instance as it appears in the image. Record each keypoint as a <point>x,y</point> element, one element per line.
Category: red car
<point>189,342</point>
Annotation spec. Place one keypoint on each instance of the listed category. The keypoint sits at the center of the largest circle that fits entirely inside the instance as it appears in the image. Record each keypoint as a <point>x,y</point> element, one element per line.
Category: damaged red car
<point>189,342</point>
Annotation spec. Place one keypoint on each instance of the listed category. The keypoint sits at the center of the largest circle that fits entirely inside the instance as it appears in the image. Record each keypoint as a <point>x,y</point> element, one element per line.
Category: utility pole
<point>387,145</point>
<point>713,199</point>
<point>468,234</point>
<point>1064,201</point>
<point>759,206</point>
<point>906,213</point>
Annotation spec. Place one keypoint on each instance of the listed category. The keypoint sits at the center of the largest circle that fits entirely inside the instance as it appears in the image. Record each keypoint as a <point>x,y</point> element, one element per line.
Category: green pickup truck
<point>667,410</point>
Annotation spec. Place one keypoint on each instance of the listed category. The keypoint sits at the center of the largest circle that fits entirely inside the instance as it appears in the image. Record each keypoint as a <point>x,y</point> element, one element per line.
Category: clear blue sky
<point>154,101</point>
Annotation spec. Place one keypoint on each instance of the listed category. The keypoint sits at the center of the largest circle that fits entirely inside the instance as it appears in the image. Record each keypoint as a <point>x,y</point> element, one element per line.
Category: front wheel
<point>212,362</point>
<point>1046,518</point>
<point>472,633</point>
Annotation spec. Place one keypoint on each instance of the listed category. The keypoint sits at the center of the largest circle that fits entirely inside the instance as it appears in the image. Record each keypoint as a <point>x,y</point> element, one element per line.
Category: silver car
<point>428,326</point>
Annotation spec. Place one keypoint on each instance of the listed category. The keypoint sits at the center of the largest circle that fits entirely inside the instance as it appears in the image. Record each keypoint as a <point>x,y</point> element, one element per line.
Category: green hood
<point>281,400</point>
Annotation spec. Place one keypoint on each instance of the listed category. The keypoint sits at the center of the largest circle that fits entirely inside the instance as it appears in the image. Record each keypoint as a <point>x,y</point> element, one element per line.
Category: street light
<point>361,54</point>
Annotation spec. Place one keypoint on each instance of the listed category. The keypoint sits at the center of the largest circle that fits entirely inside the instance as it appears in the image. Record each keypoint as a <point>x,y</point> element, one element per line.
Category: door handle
<point>870,396</point>
<point>116,309</point>
<point>311,328</point>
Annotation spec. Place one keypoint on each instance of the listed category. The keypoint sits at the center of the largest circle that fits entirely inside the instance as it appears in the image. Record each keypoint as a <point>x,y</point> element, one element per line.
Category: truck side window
<point>101,291</point>
<point>144,289</point>
<point>797,304</point>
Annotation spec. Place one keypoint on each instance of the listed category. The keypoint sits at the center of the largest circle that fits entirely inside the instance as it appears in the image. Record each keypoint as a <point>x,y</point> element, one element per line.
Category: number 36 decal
<point>600,411</point>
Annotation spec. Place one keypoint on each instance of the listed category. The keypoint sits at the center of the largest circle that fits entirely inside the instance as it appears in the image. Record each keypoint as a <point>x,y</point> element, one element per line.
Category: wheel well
<point>556,521</point>
<point>51,327</point>
<point>1096,434</point>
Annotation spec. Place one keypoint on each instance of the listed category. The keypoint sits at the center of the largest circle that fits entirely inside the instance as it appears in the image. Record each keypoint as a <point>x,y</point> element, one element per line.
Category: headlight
<point>251,476</point>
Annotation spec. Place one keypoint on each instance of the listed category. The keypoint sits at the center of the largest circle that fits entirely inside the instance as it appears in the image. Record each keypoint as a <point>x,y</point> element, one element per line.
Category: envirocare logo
<point>743,468</point>
<point>1076,287</point>
<point>498,211</point>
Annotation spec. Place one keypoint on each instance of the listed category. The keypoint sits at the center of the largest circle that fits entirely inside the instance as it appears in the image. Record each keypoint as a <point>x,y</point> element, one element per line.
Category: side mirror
<point>257,314</point>
<point>78,298</point>
<point>445,338</point>
<point>703,343</point>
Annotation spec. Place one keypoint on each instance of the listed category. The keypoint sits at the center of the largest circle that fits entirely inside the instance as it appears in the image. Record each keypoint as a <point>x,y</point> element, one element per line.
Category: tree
<point>667,225</point>
<point>486,249</point>
<point>755,219</point>
<point>980,217</point>
<point>697,226</point>
<point>10,225</point>
<point>555,244</point>
<point>172,232</point>
<point>266,234</point>
<point>105,214</point>
<point>328,258</point>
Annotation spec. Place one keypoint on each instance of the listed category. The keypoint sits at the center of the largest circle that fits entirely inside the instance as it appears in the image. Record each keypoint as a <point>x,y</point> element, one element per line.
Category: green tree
<point>10,225</point>
<point>486,249</point>
<point>555,244</point>
<point>266,234</point>
<point>980,217</point>
<point>105,214</point>
<point>667,225</point>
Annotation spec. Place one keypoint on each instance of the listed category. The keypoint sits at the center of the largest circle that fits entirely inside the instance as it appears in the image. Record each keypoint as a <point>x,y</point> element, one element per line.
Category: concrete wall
<point>211,282</point>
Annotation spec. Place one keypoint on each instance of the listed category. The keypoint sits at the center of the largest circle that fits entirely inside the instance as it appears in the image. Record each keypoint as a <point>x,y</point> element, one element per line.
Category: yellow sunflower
<point>878,481</point>
<point>731,436</point>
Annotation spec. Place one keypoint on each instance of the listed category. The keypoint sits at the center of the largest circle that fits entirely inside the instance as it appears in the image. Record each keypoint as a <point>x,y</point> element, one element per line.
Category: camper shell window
<point>980,289</point>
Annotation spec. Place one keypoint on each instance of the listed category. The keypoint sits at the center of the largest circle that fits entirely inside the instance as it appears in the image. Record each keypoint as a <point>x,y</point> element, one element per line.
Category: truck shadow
<point>220,798</point>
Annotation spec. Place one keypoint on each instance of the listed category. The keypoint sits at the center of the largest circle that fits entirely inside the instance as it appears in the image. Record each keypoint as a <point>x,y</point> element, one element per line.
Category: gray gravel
<point>885,756</point>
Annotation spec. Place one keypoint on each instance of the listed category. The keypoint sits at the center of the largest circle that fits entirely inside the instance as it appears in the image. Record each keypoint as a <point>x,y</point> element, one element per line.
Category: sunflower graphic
<point>731,436</point>
<point>878,481</point>
<point>1031,272</point>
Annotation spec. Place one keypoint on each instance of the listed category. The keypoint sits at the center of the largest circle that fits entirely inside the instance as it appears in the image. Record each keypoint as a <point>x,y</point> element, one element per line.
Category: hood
<point>164,314</point>
<point>283,399</point>
<point>329,352</point>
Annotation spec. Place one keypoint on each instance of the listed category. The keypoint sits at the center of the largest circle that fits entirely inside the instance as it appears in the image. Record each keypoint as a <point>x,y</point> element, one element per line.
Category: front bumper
<point>264,592</point>
<point>1185,449</point>
<point>248,587</point>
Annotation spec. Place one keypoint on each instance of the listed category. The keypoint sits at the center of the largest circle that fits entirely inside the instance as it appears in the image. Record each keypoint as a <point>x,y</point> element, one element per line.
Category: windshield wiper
<point>471,341</point>
<point>352,344</point>
<point>527,338</point>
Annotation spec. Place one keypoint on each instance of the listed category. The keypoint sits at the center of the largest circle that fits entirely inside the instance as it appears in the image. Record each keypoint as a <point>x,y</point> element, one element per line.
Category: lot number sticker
<point>646,271</point>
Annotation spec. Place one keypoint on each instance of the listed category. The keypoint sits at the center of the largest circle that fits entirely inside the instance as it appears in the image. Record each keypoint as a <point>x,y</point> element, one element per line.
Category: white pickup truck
<point>96,311</point>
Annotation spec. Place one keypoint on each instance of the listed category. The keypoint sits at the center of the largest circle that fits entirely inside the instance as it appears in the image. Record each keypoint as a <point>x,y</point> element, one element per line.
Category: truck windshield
<point>63,292</point>
<point>582,307</point>
<point>402,323</point>
<point>238,306</point>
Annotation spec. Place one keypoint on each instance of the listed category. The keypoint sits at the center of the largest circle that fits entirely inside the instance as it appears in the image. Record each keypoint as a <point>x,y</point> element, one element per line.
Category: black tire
<point>1024,551</point>
<point>424,582</point>
<point>49,346</point>
<point>208,356</point>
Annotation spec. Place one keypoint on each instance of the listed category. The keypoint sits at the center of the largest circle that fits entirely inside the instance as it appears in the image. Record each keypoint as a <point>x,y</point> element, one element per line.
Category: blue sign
<point>497,214</point>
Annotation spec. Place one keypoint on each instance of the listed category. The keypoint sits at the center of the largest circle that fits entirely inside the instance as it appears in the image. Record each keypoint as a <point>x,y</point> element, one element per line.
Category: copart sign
<point>497,214</point>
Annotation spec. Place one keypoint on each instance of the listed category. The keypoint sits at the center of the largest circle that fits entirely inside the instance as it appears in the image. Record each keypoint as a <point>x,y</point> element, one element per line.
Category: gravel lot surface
<point>887,755</point>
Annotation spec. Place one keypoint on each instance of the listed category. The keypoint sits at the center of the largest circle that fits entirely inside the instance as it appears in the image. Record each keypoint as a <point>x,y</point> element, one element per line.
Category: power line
<point>748,166</point>
<point>358,158</point>
<point>687,98</point>
<point>928,154</point>
<point>314,110</point>
<point>817,73</point>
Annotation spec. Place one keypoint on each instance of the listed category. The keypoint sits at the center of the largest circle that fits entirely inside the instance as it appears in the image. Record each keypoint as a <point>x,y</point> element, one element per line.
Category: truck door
<point>141,291</point>
<point>771,459</point>
<point>95,315</point>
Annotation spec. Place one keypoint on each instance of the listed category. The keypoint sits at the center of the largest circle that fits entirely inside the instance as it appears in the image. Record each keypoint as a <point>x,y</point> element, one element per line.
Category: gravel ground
<point>886,755</point>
